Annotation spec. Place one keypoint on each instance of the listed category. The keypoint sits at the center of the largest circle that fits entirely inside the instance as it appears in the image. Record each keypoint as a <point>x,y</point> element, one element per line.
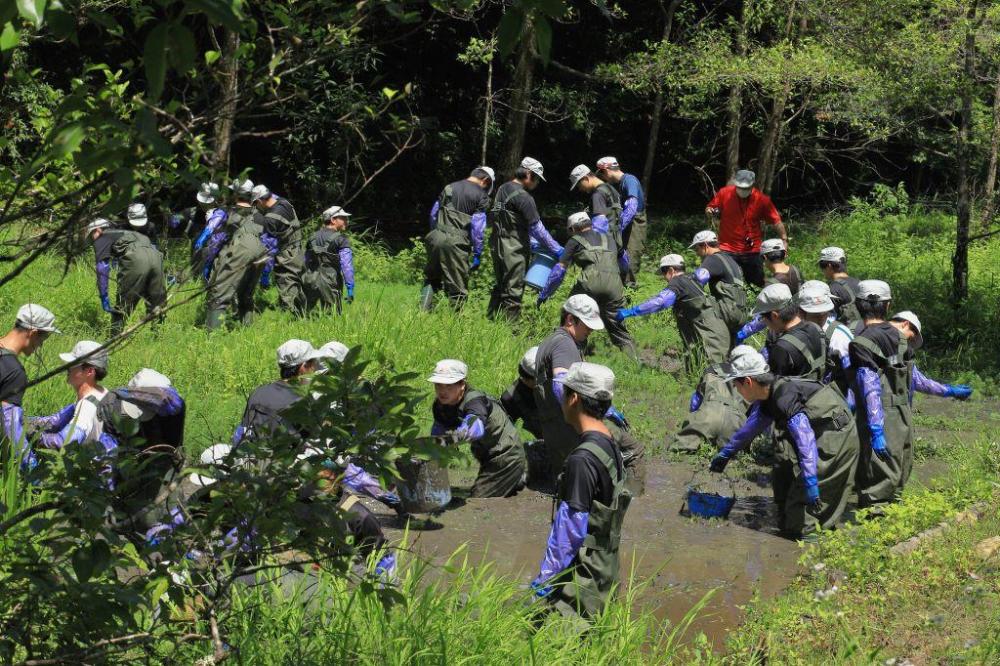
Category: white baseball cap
<point>213,456</point>
<point>607,163</point>
<point>577,221</point>
<point>671,261</point>
<point>534,166</point>
<point>207,193</point>
<point>706,236</point>
<point>585,308</point>
<point>449,371</point>
<point>814,297</point>
<point>744,178</point>
<point>261,192</point>
<point>590,380</point>
<point>136,215</point>
<point>148,378</point>
<point>95,224</point>
<point>294,353</point>
<point>35,317</point>
<point>579,172</point>
<point>528,361</point>
<point>740,350</point>
<point>772,297</point>
<point>334,211</point>
<point>750,364</point>
<point>85,350</point>
<point>832,253</point>
<point>875,291</point>
<point>772,245</point>
<point>911,318</point>
<point>335,350</point>
<point>244,189</point>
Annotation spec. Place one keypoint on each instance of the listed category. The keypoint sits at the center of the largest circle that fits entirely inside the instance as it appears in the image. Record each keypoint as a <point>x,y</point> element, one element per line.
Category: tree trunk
<point>991,172</point>
<point>734,107</point>
<point>768,157</point>
<point>657,111</point>
<point>960,262</point>
<point>524,75</point>
<point>488,113</point>
<point>229,70</point>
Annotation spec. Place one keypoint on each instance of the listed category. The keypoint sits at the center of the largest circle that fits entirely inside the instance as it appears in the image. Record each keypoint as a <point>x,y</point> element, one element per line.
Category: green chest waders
<point>881,481</point>
<point>722,412</point>
<point>322,281</point>
<point>560,438</point>
<point>140,275</point>
<point>510,250</point>
<point>731,295</point>
<point>815,363</point>
<point>238,266</point>
<point>601,279</point>
<point>594,571</point>
<point>502,464</point>
<point>449,250</point>
<point>288,263</point>
<point>698,322</point>
<point>614,215</point>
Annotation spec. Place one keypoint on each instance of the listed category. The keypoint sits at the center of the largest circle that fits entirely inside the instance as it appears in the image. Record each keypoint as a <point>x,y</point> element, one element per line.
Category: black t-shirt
<point>573,246</point>
<point>603,201</point>
<point>885,335</point>
<point>467,197</point>
<point>788,399</point>
<point>787,361</point>
<point>102,246</point>
<point>717,268</point>
<point>522,206</point>
<point>330,241</point>
<point>519,403</point>
<point>274,227</point>
<point>450,416</point>
<point>263,413</point>
<point>792,279</point>
<point>559,350</point>
<point>365,528</point>
<point>586,478</point>
<point>845,291</point>
<point>13,379</point>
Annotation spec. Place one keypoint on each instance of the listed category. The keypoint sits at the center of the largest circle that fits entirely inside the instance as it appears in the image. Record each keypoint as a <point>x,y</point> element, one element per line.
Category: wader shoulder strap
<point>606,460</point>
<point>348,501</point>
<point>815,362</point>
<point>733,271</point>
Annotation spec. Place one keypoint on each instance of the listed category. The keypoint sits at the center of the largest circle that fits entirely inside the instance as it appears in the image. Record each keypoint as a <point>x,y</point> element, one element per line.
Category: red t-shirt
<point>742,219</point>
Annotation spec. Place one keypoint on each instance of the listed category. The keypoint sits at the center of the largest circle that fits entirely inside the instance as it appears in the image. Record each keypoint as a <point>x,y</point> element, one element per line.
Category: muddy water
<point>678,559</point>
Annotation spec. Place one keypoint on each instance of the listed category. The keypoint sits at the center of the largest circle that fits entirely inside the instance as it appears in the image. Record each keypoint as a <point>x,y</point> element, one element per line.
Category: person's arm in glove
<point>870,389</point>
<point>471,428</point>
<point>103,279</point>
<point>214,221</point>
<point>538,232</point>
<point>271,245</point>
<point>701,276</point>
<point>624,262</point>
<point>434,214</point>
<point>361,482</point>
<point>696,399</point>
<point>924,384</point>
<point>663,300</point>
<point>215,244</point>
<point>616,417</point>
<point>53,422</point>
<point>556,276</point>
<point>757,422</point>
<point>752,327</point>
<point>478,232</point>
<point>13,428</point>
<point>629,210</point>
<point>569,529</point>
<point>346,256</point>
<point>557,386</point>
<point>807,452</point>
<point>600,224</point>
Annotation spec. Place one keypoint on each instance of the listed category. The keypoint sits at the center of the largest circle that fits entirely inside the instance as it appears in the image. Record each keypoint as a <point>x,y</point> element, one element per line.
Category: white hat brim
<point>204,198</point>
<point>441,379</point>
<point>577,182</point>
<point>67,358</point>
<point>140,222</point>
<point>817,309</point>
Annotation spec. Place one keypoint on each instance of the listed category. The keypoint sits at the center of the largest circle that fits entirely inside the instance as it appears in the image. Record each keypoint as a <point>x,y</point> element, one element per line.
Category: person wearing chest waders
<point>795,347</point>
<point>516,222</point>
<point>330,262</point>
<point>33,325</point>
<point>816,306</point>
<point>580,316</point>
<point>455,242</point>
<point>633,215</point>
<point>725,280</point>
<point>213,235</point>
<point>604,206</point>
<point>467,415</point>
<point>580,567</point>
<point>598,257</point>
<point>701,328</point>
<point>716,410</point>
<point>138,221</point>
<point>774,253</point>
<point>282,225</point>
<point>240,262</point>
<point>885,379</point>
<point>833,263</point>
<point>817,450</point>
<point>140,271</point>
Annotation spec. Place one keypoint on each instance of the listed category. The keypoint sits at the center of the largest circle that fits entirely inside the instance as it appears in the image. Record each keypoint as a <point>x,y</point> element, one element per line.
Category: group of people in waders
<point>832,384</point>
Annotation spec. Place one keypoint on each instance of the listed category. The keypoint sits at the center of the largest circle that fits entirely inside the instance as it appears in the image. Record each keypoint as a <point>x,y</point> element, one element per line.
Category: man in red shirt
<point>743,210</point>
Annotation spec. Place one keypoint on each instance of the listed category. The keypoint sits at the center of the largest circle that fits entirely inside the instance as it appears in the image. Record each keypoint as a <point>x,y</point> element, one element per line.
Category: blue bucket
<point>539,269</point>
<point>709,505</point>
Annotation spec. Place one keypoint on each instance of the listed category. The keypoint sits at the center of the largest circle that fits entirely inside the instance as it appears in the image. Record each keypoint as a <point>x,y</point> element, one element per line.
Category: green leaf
<point>83,565</point>
<point>543,38</point>
<point>222,12</point>
<point>211,56</point>
<point>509,32</point>
<point>100,556</point>
<point>389,93</point>
<point>68,140</point>
<point>32,11</point>
<point>553,8</point>
<point>182,50</point>
<point>9,37</point>
<point>155,60</point>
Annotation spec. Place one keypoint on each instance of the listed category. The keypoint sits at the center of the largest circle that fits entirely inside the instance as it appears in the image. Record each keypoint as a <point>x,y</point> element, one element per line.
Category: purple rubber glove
<point>752,327</point>
<point>471,429</point>
<point>13,428</point>
<point>434,214</point>
<point>870,389</point>
<point>812,491</point>
<point>600,224</point>
<point>103,279</point>
<point>629,210</point>
<point>923,384</point>
<point>438,430</point>
<point>663,300</point>
<point>241,433</point>
<point>538,231</point>
<point>879,446</point>
<point>346,257</point>
<point>623,262</point>
<point>386,566</point>
<point>215,244</point>
<point>557,386</point>
<point>478,232</point>
<point>361,482</point>
<point>216,218</point>
<point>569,529</point>
<point>702,276</point>
<point>757,422</point>
<point>556,276</point>
<point>54,422</point>
<point>805,444</point>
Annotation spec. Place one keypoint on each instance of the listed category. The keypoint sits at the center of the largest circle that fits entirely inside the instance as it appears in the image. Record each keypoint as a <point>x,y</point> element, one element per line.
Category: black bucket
<point>424,486</point>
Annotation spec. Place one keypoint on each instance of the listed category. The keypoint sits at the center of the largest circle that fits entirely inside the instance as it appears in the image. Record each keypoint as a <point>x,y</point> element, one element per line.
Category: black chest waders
<point>289,264</point>
<point>502,463</point>
<point>510,250</point>
<point>594,572</point>
<point>815,364</point>
<point>730,295</point>
<point>322,282</point>
<point>881,481</point>
<point>601,279</point>
<point>449,250</point>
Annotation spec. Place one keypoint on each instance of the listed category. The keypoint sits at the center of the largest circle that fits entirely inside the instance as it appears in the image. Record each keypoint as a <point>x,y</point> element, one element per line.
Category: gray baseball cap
<point>577,220</point>
<point>534,166</point>
<point>832,253</point>
<point>148,378</point>
<point>244,189</point>
<point>706,236</point>
<point>95,224</point>
<point>261,192</point>
<point>528,361</point>
<point>294,353</point>
<point>449,371</point>
<point>586,309</point>
<point>749,364</point>
<point>671,261</point>
<point>579,172</point>
<point>37,318</point>
<point>744,178</point>
<point>911,318</point>
<point>85,350</point>
<point>875,291</point>
<point>772,245</point>
<point>772,297</point>
<point>590,380</point>
<point>136,215</point>
<point>607,163</point>
<point>207,193</point>
<point>814,297</point>
<point>334,211</point>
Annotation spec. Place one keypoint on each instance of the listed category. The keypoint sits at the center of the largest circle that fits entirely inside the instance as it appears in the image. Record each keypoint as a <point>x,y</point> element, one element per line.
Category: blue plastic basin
<point>538,271</point>
<point>709,505</point>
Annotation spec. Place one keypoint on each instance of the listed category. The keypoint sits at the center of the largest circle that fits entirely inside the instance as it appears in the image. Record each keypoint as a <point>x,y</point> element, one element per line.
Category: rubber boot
<point>247,316</point>
<point>213,320</point>
<point>427,298</point>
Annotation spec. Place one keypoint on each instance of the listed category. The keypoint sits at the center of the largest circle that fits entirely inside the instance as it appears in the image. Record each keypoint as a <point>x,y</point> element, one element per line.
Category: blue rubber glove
<point>624,314</point>
<point>559,252</point>
<point>475,262</point>
<point>741,335</point>
<point>616,417</point>
<point>958,391</point>
<point>350,293</point>
<point>879,446</point>
<point>719,463</point>
<point>812,490</point>
<point>540,591</point>
<point>106,304</point>
<point>265,279</point>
